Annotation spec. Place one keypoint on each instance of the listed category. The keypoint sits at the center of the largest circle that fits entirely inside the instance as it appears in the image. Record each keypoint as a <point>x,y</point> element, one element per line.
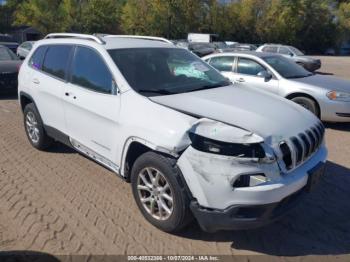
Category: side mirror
<point>266,75</point>
<point>115,89</point>
<point>229,80</point>
<point>291,54</point>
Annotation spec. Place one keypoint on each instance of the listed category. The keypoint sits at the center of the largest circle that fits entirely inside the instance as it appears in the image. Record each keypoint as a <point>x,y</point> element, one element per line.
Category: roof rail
<point>95,38</point>
<point>154,38</point>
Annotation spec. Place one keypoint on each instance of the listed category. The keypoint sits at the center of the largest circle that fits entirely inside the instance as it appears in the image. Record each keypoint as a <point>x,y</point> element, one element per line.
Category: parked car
<point>221,47</point>
<point>330,51</point>
<point>189,142</point>
<point>9,66</point>
<point>309,63</point>
<point>10,45</point>
<point>182,44</point>
<point>230,43</point>
<point>325,96</point>
<point>24,49</point>
<point>244,47</point>
<point>9,42</point>
<point>201,49</point>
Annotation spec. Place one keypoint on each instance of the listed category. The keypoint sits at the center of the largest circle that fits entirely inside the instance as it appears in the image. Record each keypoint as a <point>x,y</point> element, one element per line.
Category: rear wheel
<point>35,129</point>
<point>158,193</point>
<point>307,103</point>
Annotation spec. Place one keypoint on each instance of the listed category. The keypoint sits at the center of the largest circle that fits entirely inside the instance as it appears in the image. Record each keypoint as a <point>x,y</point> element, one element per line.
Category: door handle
<point>36,81</point>
<point>240,80</point>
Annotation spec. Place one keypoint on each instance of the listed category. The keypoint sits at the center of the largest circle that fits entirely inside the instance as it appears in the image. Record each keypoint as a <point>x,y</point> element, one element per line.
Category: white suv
<point>190,143</point>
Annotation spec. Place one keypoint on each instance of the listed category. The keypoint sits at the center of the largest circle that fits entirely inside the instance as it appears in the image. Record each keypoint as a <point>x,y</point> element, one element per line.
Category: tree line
<point>312,25</point>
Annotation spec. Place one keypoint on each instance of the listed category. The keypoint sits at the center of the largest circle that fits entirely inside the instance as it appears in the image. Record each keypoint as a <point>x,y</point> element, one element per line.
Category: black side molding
<point>57,135</point>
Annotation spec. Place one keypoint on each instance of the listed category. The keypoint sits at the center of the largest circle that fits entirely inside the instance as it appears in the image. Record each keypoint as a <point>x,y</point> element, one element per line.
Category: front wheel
<point>308,104</point>
<point>158,193</point>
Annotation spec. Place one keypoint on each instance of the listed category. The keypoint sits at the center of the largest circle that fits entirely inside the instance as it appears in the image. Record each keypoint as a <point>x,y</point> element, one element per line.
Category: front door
<point>224,64</point>
<point>91,110</point>
<point>248,73</point>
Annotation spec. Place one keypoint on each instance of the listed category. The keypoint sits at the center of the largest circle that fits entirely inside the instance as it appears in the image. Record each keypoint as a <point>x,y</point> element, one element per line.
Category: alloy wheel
<point>155,193</point>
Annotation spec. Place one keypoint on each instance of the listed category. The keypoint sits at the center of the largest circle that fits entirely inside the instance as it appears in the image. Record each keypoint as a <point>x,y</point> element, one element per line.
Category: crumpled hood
<point>269,116</point>
<point>327,82</point>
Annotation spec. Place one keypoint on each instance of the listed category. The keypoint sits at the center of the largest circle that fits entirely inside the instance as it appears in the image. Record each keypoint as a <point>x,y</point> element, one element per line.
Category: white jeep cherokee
<point>191,143</point>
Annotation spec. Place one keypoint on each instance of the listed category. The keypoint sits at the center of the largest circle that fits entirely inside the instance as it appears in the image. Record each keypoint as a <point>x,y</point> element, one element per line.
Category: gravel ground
<point>61,203</point>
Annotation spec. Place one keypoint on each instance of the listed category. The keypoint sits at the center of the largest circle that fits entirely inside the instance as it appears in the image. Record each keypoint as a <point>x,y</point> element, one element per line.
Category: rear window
<point>56,60</point>
<point>223,63</point>
<point>36,61</point>
<point>270,49</point>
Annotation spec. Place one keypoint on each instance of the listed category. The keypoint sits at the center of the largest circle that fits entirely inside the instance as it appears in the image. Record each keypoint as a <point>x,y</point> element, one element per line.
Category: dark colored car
<point>9,42</point>
<point>309,63</point>
<point>244,47</point>
<point>9,66</point>
<point>222,47</point>
<point>201,49</point>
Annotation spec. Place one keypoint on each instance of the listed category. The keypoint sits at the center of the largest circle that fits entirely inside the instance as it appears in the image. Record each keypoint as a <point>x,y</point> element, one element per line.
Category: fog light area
<point>249,180</point>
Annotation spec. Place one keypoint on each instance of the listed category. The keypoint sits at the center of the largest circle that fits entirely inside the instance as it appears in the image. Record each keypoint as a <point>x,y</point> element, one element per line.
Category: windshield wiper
<point>209,86</point>
<point>298,76</point>
<point>156,91</point>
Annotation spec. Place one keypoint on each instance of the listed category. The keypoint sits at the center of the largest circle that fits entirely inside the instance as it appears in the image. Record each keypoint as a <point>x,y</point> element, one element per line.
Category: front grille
<point>300,148</point>
<point>287,155</point>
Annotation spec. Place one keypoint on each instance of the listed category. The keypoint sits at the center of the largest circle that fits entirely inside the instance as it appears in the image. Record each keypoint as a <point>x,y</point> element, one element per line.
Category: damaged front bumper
<point>240,217</point>
<point>217,204</point>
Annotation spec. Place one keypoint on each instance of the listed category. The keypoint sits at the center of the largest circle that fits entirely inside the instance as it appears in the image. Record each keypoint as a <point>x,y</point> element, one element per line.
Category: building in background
<point>25,33</point>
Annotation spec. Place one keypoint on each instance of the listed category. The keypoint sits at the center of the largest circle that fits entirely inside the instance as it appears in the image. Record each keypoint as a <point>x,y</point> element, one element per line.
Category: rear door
<point>91,110</point>
<point>247,74</point>
<point>48,80</point>
<point>224,64</point>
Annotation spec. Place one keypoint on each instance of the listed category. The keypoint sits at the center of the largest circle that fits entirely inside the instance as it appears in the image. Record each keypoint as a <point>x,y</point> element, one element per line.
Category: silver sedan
<point>326,96</point>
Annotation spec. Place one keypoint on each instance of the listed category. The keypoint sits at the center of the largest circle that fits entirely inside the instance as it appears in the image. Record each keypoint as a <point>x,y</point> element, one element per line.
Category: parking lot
<point>59,202</point>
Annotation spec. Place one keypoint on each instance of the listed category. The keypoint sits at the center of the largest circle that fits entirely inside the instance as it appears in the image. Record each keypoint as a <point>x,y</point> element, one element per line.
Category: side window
<point>222,63</point>
<point>284,50</point>
<point>249,67</point>
<point>56,60</point>
<point>270,49</point>
<point>90,71</point>
<point>36,61</point>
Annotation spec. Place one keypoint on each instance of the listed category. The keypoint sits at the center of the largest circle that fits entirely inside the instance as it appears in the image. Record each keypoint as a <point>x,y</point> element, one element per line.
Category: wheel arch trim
<point>146,143</point>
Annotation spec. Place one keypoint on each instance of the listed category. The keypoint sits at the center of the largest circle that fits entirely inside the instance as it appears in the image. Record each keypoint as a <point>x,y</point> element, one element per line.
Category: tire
<point>34,128</point>
<point>168,173</point>
<point>308,104</point>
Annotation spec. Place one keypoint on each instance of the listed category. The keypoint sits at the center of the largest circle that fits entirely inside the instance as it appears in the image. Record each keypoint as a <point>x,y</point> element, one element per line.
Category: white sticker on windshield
<point>200,67</point>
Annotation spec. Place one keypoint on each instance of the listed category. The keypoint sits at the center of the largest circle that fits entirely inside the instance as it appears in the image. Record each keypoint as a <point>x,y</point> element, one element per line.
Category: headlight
<point>339,96</point>
<point>254,150</point>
